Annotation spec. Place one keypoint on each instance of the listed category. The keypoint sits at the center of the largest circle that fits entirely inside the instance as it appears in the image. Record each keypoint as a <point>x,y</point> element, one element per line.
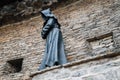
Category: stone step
<point>111,74</point>
<point>106,71</point>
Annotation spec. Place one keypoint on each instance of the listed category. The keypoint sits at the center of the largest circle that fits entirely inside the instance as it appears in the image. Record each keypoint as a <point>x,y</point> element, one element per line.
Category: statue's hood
<point>46,14</point>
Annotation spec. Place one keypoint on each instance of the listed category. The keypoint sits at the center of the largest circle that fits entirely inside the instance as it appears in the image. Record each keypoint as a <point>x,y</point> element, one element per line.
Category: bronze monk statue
<point>54,51</point>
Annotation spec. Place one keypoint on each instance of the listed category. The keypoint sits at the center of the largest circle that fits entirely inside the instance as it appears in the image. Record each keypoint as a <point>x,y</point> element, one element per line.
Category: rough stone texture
<point>86,25</point>
<point>12,11</point>
<point>106,70</point>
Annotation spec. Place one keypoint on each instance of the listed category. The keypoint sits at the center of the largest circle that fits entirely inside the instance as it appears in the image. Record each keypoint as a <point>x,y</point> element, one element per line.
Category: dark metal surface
<point>54,51</point>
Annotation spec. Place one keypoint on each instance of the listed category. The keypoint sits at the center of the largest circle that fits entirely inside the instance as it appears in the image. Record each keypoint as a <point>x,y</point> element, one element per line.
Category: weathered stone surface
<point>18,10</point>
<point>80,22</point>
<point>106,71</point>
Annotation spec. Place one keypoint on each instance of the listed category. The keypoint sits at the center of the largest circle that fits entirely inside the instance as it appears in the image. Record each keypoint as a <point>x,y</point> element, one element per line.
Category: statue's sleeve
<point>47,27</point>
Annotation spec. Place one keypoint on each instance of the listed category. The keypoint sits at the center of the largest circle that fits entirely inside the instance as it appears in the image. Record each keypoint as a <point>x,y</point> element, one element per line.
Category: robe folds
<point>54,51</point>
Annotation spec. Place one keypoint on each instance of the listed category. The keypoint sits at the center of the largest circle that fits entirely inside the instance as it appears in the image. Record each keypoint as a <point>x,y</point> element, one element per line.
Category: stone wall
<point>12,11</point>
<point>91,28</point>
<point>104,69</point>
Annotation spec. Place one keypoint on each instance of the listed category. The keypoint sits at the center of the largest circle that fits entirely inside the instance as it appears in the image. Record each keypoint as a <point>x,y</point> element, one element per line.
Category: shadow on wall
<point>7,2</point>
<point>12,11</point>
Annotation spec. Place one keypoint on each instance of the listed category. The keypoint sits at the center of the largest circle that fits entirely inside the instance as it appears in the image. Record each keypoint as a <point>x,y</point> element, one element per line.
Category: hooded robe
<point>54,51</point>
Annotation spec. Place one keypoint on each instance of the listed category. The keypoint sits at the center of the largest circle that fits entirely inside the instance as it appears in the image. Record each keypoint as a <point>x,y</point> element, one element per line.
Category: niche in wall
<point>14,66</point>
<point>102,43</point>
